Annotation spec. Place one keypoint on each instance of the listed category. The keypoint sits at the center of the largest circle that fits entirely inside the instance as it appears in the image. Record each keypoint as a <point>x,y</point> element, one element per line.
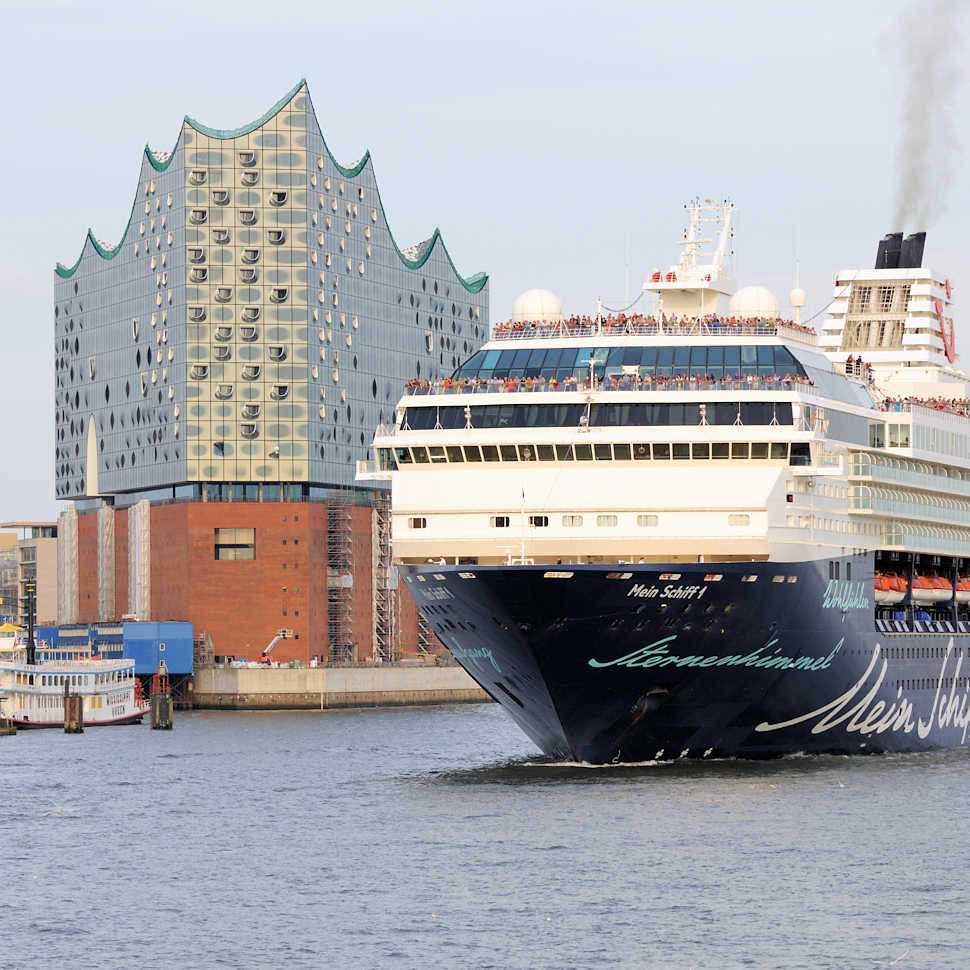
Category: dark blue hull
<point>638,662</point>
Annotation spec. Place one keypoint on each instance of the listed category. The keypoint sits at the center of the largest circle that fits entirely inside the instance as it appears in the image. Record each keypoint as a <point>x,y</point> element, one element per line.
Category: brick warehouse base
<point>240,603</point>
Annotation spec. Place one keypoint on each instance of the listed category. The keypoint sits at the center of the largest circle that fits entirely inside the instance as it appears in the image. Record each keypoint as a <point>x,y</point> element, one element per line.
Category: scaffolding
<point>385,580</point>
<point>426,635</point>
<point>341,647</point>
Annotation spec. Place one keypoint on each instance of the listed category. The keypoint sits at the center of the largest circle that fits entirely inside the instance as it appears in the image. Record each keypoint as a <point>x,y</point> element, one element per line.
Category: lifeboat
<point>890,588</point>
<point>931,589</point>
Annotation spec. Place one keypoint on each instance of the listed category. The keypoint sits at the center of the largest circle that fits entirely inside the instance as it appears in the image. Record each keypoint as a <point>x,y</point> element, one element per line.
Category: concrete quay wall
<point>319,688</point>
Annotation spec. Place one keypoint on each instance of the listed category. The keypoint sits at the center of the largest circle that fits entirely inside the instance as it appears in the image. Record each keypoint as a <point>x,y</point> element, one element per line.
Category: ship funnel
<point>911,255</point>
<point>888,253</point>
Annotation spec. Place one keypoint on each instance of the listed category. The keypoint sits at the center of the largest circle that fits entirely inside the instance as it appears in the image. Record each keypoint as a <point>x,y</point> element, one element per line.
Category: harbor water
<point>437,838</point>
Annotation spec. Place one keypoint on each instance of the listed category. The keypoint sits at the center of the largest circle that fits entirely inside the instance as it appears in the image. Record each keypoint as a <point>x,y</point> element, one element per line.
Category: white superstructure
<point>692,436</point>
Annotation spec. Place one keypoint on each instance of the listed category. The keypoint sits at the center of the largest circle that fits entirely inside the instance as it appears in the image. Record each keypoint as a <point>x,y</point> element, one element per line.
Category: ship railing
<point>558,331</point>
<point>530,386</point>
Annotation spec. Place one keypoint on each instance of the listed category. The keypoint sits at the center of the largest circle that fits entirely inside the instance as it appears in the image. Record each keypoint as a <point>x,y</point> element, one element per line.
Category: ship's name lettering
<point>669,592</point>
<point>861,713</point>
<point>843,595</point>
<point>437,593</point>
<point>656,655</point>
<point>473,654</point>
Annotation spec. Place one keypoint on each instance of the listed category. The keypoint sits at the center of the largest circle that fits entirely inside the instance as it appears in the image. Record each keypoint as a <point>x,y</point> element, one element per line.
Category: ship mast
<point>700,283</point>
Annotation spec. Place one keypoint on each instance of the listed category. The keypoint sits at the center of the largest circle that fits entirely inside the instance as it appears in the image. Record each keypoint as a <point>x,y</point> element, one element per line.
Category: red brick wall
<point>241,603</point>
<point>87,558</point>
<point>121,563</point>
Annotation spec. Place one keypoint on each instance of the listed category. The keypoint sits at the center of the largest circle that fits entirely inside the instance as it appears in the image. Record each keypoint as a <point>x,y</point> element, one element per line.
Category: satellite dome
<point>798,298</point>
<point>754,301</point>
<point>537,305</point>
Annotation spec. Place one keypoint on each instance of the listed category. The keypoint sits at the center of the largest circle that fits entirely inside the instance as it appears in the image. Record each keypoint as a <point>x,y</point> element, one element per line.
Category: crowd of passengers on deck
<point>952,405</point>
<point>623,323</point>
<point>609,382</point>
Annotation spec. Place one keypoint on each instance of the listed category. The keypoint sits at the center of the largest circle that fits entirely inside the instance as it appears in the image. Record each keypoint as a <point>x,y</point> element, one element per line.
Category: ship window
<point>602,452</point>
<point>800,453</point>
<point>621,452</point>
<point>649,520</point>
<point>739,449</point>
<point>437,454</point>
<point>779,450</point>
<point>508,453</point>
<point>700,451</point>
<point>235,543</point>
<point>417,522</point>
<point>539,521</point>
<point>473,453</point>
<point>741,518</point>
<point>403,456</point>
<point>661,452</point>
<point>454,453</point>
<point>489,453</point>
<point>641,452</point>
<point>759,449</point>
<point>420,455</point>
<point>720,449</point>
<point>546,453</point>
<point>748,579</point>
<point>527,453</point>
<point>609,520</point>
<point>584,452</point>
<point>681,451</point>
<point>499,521</point>
<point>564,452</point>
<point>572,521</point>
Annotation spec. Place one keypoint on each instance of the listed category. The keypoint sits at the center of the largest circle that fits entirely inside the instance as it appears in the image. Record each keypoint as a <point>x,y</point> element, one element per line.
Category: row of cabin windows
<point>637,413</point>
<point>693,360</point>
<point>647,520</point>
<point>796,453</point>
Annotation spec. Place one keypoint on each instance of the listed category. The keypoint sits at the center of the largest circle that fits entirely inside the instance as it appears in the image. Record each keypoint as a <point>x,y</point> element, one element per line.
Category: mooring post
<point>73,712</point>
<point>162,719</point>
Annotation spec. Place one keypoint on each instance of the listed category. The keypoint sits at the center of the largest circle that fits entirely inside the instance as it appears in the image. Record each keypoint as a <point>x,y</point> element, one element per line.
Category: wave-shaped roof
<point>414,257</point>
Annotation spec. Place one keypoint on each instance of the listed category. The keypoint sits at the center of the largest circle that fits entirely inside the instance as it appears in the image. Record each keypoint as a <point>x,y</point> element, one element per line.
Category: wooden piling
<point>73,712</point>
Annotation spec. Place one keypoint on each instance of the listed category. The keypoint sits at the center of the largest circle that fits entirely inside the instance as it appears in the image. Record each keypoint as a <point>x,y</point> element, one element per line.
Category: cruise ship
<point>702,531</point>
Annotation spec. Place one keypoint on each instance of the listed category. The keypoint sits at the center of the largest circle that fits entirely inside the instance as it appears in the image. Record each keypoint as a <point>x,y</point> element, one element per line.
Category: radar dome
<point>798,298</point>
<point>754,301</point>
<point>536,306</point>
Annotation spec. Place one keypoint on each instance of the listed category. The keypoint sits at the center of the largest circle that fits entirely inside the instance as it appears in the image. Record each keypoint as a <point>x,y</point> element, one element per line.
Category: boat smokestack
<point>911,255</point>
<point>888,253</point>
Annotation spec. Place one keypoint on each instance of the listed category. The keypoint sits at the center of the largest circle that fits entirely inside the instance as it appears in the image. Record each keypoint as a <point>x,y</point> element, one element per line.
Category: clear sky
<point>554,143</point>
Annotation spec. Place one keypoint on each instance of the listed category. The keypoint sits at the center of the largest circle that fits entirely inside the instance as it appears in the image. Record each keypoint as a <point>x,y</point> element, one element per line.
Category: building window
<point>606,520</point>
<point>499,521</point>
<point>572,521</point>
<point>539,521</point>
<point>235,543</point>
<point>418,522</point>
<point>648,520</point>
